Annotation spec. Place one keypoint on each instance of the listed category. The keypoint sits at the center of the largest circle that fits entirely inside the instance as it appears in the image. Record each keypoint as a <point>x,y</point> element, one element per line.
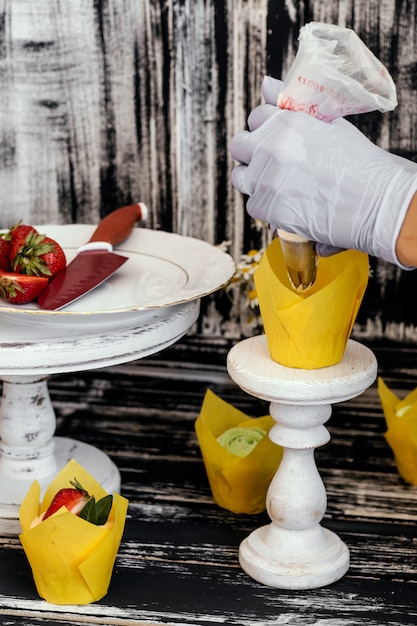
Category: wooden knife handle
<point>118,224</point>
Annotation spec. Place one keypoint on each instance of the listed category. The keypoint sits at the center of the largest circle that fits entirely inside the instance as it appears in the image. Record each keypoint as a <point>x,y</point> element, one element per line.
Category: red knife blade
<point>95,261</point>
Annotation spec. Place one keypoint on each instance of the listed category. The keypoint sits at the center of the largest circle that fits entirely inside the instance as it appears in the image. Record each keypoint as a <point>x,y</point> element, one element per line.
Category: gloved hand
<point>324,181</point>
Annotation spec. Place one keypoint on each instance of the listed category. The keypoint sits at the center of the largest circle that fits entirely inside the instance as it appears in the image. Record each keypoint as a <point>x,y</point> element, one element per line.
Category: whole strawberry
<point>38,255</point>
<point>19,288</point>
<point>17,236</point>
<point>4,254</point>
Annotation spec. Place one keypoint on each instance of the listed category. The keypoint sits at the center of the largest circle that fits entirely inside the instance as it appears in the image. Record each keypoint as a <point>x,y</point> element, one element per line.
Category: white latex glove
<point>324,181</point>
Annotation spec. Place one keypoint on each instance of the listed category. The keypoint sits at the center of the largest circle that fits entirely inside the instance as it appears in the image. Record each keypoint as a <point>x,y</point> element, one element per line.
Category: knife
<point>95,260</point>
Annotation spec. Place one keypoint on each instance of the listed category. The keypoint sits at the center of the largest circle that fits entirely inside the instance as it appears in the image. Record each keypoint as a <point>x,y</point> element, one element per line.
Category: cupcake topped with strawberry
<point>71,537</point>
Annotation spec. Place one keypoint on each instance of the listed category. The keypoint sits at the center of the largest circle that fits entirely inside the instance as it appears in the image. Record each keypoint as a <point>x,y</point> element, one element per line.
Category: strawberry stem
<point>75,483</point>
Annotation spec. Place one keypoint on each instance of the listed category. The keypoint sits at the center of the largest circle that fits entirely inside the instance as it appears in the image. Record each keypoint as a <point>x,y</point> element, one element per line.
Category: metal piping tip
<point>300,258</point>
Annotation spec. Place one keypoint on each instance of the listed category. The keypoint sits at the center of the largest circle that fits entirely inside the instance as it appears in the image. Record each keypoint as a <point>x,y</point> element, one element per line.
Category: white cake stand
<point>29,355</point>
<point>294,551</point>
<point>147,305</point>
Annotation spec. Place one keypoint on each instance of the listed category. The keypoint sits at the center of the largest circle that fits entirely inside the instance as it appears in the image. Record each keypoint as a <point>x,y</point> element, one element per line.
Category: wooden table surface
<point>178,560</point>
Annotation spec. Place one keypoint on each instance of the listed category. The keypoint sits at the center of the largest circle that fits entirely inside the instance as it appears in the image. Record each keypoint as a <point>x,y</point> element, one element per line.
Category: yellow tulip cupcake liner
<point>310,330</point>
<point>401,434</point>
<point>72,559</point>
<point>239,458</point>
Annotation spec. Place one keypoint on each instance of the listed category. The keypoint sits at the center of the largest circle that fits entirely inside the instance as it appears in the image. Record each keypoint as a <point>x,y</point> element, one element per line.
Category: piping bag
<point>333,75</point>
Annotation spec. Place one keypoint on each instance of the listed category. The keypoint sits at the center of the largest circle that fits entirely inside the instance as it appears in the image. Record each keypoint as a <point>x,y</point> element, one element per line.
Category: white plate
<point>163,269</point>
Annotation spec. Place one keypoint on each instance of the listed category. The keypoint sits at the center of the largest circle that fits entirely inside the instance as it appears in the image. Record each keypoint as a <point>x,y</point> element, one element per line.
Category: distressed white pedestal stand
<point>294,551</point>
<point>29,354</point>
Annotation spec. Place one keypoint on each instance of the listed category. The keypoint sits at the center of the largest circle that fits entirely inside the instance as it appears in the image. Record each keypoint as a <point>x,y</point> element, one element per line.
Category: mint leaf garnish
<point>89,511</point>
<point>103,508</point>
<point>97,512</point>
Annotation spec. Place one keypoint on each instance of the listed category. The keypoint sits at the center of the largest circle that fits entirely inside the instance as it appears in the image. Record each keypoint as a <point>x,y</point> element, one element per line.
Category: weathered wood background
<point>107,102</point>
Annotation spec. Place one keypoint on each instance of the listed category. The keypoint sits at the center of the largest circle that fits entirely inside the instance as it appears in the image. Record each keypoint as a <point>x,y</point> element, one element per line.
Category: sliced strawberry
<point>38,256</point>
<point>73,498</point>
<point>21,289</point>
<point>4,254</point>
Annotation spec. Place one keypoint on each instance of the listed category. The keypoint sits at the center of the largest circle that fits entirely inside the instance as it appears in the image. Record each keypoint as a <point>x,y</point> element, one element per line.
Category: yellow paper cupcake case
<point>401,434</point>
<point>71,559</point>
<point>310,330</point>
<point>237,484</point>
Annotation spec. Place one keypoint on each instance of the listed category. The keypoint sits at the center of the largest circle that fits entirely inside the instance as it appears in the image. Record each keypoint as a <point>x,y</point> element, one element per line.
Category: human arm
<point>406,246</point>
<point>326,182</point>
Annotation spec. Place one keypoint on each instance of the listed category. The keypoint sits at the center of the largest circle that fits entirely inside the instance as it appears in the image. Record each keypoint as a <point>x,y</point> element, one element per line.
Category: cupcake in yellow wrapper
<point>401,435</point>
<point>71,559</point>
<point>310,329</point>
<point>239,457</point>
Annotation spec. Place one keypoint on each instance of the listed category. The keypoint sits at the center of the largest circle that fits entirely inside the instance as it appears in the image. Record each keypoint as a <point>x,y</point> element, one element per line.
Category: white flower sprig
<point>242,292</point>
